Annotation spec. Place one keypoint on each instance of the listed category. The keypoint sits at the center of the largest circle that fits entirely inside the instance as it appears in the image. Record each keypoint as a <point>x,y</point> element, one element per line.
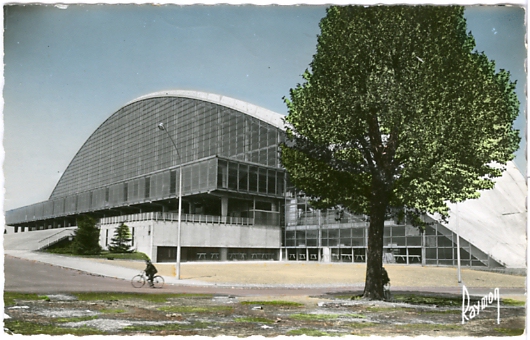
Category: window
<point>173,182</point>
<point>262,186</point>
<point>147,192</point>
<point>253,179</point>
<point>232,176</point>
<point>267,206</point>
<point>279,184</point>
<point>271,182</point>
<point>222,174</point>
<point>134,190</point>
<point>243,177</point>
<point>195,174</point>
<point>125,192</point>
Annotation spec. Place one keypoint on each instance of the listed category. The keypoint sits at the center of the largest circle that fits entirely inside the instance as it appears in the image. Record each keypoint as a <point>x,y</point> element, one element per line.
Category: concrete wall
<point>142,236</point>
<point>148,235</point>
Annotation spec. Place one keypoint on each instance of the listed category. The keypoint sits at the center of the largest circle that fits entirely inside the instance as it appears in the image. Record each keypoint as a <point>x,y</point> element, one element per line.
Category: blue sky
<point>67,70</point>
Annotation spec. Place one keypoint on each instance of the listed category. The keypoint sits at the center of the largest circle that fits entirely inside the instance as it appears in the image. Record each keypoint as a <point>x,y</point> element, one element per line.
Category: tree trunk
<point>373,288</point>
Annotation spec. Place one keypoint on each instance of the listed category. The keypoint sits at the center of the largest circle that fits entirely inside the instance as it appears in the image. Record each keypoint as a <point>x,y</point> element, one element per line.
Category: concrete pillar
<point>423,252</point>
<point>326,256</point>
<point>151,233</point>
<point>224,209</point>
<point>223,254</point>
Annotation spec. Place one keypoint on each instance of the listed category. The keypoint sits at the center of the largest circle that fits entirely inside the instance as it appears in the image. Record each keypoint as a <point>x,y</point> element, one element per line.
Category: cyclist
<point>150,271</point>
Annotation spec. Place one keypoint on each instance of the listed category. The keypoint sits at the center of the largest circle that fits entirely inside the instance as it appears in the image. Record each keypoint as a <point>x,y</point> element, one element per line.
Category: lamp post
<point>458,244</point>
<point>163,128</point>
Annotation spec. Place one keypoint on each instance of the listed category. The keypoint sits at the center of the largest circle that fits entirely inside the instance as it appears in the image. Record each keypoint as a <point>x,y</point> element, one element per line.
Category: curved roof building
<point>223,145</point>
<point>235,201</point>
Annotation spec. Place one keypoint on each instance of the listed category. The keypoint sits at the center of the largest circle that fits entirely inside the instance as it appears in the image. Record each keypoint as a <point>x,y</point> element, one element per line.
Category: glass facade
<point>129,144</point>
<point>230,174</point>
<point>337,236</point>
<point>129,161</point>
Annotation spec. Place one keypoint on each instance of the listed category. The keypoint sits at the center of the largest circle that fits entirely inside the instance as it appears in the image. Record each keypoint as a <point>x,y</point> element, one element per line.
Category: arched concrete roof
<point>261,113</point>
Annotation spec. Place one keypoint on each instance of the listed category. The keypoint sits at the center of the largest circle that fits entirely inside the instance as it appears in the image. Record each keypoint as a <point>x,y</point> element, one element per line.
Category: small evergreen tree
<point>86,238</point>
<point>120,243</point>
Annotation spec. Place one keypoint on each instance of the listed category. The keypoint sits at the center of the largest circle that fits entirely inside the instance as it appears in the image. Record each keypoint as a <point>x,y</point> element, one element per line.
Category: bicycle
<point>387,295</point>
<point>138,281</point>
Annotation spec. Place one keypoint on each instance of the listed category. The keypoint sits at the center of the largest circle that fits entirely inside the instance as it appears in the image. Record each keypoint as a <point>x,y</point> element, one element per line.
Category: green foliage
<point>305,316</point>
<point>86,238</point>
<point>103,254</point>
<point>397,112</point>
<point>196,309</point>
<point>107,296</point>
<point>309,332</point>
<point>510,331</point>
<point>35,328</point>
<point>376,309</point>
<point>427,327</point>
<point>254,319</point>
<point>121,242</point>
<point>416,299</point>
<point>61,247</point>
<point>167,327</point>
<point>75,319</point>
<point>512,302</point>
<point>11,297</point>
<point>193,295</point>
<point>124,256</point>
<point>397,98</point>
<point>357,325</point>
<point>113,311</point>
<point>277,303</point>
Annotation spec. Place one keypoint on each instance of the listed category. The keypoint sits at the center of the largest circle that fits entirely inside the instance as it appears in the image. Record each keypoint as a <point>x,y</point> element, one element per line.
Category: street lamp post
<point>163,128</point>
<point>458,244</point>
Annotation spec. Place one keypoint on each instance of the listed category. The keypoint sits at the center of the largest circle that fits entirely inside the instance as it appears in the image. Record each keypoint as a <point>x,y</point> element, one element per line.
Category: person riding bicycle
<point>150,271</point>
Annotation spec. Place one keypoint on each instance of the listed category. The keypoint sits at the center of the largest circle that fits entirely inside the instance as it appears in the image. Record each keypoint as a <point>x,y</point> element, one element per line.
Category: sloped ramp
<point>36,240</point>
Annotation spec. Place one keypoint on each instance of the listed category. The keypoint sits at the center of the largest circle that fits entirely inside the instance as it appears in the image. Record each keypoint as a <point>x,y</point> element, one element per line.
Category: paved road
<point>30,276</point>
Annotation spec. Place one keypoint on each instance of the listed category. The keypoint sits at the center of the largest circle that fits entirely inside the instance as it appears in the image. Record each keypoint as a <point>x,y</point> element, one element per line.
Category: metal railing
<point>58,236</point>
<point>324,218</point>
<point>173,217</point>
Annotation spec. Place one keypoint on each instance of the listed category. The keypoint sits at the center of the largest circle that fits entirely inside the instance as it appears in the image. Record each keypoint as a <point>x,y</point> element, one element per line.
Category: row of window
<point>129,143</point>
<point>440,243</point>
<point>355,237</point>
<point>250,178</point>
<point>201,177</point>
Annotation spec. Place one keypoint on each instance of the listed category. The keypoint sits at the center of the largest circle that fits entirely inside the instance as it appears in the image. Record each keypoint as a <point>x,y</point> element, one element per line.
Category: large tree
<point>397,111</point>
<point>86,238</point>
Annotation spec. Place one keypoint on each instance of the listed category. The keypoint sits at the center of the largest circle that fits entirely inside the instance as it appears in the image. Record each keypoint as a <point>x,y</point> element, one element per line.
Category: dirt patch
<point>289,273</point>
<point>208,315</point>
